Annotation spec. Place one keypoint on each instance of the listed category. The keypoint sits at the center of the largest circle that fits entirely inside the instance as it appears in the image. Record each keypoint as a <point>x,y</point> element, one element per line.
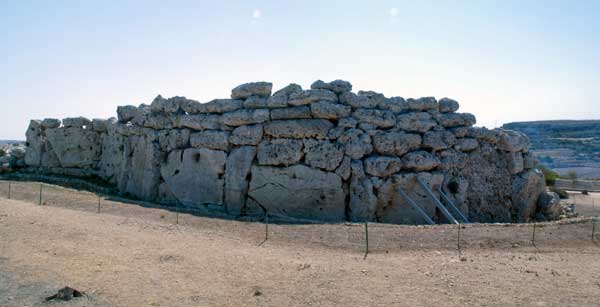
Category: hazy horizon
<point>504,61</point>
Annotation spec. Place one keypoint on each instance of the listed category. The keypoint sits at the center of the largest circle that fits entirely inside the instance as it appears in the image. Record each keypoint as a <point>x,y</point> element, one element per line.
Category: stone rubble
<point>323,153</point>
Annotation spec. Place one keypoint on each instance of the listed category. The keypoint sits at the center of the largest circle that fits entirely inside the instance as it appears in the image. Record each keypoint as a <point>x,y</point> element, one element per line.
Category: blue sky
<point>502,60</point>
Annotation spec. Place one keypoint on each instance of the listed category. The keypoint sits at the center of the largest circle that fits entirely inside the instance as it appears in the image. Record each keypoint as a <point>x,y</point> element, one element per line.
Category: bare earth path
<point>134,261</point>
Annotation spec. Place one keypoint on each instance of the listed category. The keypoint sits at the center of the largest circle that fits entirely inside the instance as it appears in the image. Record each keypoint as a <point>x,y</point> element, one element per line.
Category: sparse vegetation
<point>561,193</point>
<point>572,175</point>
<point>549,174</point>
<point>2,152</point>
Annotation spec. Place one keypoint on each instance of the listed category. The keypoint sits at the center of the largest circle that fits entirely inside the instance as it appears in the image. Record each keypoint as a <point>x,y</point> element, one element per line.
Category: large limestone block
<point>393,208</point>
<point>395,143</point>
<point>512,141</point>
<point>213,139</point>
<point>422,104</point>
<point>363,202</point>
<point>246,135</point>
<point>526,190</point>
<point>357,143</point>
<point>298,191</point>
<point>336,86</point>
<point>292,88</point>
<point>298,129</point>
<point>201,121</point>
<point>255,102</point>
<point>415,122</point>
<point>466,144</point>
<point>76,122</point>
<point>171,105</point>
<point>126,113</point>
<point>329,110</point>
<point>50,123</point>
<point>279,152</point>
<point>291,113</point>
<point>451,120</point>
<point>158,121</point>
<point>548,206</point>
<point>220,106</point>
<point>194,175</point>
<point>382,166</point>
<point>246,117</point>
<point>75,147</point>
<point>515,162</point>
<point>395,104</point>
<point>438,140</point>
<point>344,170</point>
<point>420,161</point>
<point>310,96</point>
<point>260,89</point>
<point>484,134</point>
<point>448,105</point>
<point>379,118</point>
<point>113,146</point>
<point>174,139</point>
<point>140,169</point>
<point>33,153</point>
<point>237,169</point>
<point>323,154</point>
<point>357,101</point>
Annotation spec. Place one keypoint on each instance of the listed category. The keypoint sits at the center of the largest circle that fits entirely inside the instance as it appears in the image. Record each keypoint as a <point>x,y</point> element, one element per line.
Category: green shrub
<point>561,193</point>
<point>549,174</point>
<point>2,153</point>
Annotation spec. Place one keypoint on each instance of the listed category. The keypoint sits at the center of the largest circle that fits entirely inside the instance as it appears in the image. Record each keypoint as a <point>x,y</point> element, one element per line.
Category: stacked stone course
<point>324,153</point>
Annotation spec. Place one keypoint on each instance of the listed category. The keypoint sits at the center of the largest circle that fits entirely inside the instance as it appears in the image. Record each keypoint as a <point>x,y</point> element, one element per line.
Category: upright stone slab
<point>237,169</point>
<point>298,191</point>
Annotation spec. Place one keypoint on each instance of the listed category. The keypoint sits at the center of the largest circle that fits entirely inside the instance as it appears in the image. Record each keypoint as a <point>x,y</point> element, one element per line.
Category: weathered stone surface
<point>126,113</point>
<point>356,101</point>
<point>415,122</point>
<point>76,122</point>
<point>201,121</point>
<point>347,122</point>
<point>237,169</point>
<point>336,86</point>
<point>260,89</point>
<point>344,169</point>
<point>158,122</point>
<point>515,162</point>
<point>460,132</point>
<point>422,104</point>
<point>246,135</point>
<point>292,88</point>
<point>380,118</point>
<point>420,161</point>
<point>194,175</point>
<point>393,208</point>
<point>357,143</point>
<point>220,106</point>
<point>466,144</point>
<point>451,120</point>
<point>323,154</point>
<point>50,123</point>
<point>140,170</point>
<point>329,110</point>
<point>174,139</point>
<point>335,132</point>
<point>512,141</point>
<point>298,129</point>
<point>529,161</point>
<point>395,143</point>
<point>212,139</point>
<point>298,191</point>
<point>363,202</point>
<point>482,133</point>
<point>191,106</point>
<point>382,166</point>
<point>291,113</point>
<point>279,152</point>
<point>395,104</point>
<point>310,96</point>
<point>75,147</point>
<point>438,140</point>
<point>526,190</point>
<point>100,125</point>
<point>548,206</point>
<point>171,105</point>
<point>255,102</point>
<point>246,117</point>
<point>448,105</point>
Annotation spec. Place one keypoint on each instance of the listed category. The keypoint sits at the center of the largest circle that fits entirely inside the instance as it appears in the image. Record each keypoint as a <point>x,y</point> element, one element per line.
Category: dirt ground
<point>128,255</point>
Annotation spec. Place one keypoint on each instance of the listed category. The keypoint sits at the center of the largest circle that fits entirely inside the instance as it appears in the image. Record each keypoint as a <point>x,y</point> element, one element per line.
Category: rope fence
<point>366,237</point>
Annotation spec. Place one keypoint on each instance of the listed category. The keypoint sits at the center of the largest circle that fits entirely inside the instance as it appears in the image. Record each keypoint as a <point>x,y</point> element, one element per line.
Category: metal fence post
<point>593,228</point>
<point>458,240</point>
<point>9,188</point>
<point>533,234</point>
<point>366,239</point>
<point>266,229</point>
<point>176,213</point>
<point>41,185</point>
<point>99,198</point>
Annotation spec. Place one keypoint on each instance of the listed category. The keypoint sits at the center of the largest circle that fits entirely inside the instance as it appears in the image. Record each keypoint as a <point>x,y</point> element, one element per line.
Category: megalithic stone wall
<point>324,153</point>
